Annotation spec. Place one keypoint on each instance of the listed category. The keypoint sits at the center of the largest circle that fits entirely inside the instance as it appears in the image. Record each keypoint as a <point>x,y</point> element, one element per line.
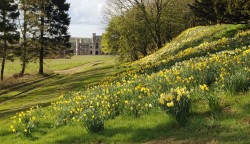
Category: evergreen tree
<point>25,51</point>
<point>238,11</point>
<point>220,8</point>
<point>8,31</point>
<point>222,11</point>
<point>59,20</point>
<point>204,9</point>
<point>50,24</point>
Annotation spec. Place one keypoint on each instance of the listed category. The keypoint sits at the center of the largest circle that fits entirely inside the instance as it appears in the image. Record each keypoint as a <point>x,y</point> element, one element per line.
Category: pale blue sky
<point>85,17</point>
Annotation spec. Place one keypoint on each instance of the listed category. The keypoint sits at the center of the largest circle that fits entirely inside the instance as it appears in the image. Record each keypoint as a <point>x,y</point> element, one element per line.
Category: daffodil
<point>171,104</point>
<point>161,101</point>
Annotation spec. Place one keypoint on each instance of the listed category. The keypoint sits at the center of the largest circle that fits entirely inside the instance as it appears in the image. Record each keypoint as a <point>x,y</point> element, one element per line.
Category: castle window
<point>97,45</point>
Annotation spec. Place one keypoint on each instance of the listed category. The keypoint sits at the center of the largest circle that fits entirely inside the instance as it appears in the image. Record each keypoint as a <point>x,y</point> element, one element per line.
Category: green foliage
<point>222,11</point>
<point>130,40</point>
<point>237,81</point>
<point>25,123</point>
<point>8,31</point>
<point>49,20</point>
<point>145,27</point>
<point>177,103</point>
<point>213,101</point>
<point>93,121</point>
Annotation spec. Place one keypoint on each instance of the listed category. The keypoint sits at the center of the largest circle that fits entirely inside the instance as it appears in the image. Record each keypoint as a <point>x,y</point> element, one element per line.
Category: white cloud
<point>80,30</point>
<point>85,17</point>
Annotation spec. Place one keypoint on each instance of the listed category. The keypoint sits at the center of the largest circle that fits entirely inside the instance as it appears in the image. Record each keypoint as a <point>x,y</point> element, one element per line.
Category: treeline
<point>221,11</point>
<point>33,29</point>
<point>137,28</point>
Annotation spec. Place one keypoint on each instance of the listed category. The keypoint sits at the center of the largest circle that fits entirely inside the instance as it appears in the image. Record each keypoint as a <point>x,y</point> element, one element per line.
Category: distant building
<point>89,46</point>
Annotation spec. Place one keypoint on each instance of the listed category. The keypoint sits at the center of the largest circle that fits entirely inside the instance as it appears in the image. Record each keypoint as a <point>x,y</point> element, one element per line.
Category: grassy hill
<point>193,90</point>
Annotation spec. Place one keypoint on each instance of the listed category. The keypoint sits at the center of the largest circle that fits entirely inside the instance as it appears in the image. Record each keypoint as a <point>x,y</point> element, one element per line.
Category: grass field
<point>16,95</point>
<point>206,67</point>
<point>51,65</point>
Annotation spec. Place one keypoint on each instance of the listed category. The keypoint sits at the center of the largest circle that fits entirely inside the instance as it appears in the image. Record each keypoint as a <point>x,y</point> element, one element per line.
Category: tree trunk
<point>155,33</point>
<point>41,48</point>
<point>4,47</point>
<point>24,52</point>
<point>4,58</point>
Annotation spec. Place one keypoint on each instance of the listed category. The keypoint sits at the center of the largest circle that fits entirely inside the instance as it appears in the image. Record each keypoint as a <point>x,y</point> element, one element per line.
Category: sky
<point>86,17</point>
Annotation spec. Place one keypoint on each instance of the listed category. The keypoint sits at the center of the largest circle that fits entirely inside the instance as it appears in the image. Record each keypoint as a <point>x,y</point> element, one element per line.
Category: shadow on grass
<point>21,85</point>
<point>201,129</point>
<point>25,88</point>
<point>108,135</point>
<point>51,87</point>
<point>9,112</point>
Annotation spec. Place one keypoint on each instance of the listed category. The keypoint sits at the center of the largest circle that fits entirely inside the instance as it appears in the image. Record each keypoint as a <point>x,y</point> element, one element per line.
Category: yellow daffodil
<point>171,104</point>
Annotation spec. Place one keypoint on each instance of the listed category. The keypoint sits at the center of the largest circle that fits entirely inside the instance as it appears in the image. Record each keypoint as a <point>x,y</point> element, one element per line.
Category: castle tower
<point>94,44</point>
<point>77,46</point>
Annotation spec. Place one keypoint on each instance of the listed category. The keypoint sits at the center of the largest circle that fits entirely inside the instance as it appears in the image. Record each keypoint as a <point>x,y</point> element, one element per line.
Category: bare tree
<point>153,10</point>
<point>114,8</point>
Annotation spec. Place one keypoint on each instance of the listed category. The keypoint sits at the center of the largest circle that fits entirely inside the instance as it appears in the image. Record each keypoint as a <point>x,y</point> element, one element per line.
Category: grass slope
<point>215,55</point>
<point>196,42</point>
<point>20,94</point>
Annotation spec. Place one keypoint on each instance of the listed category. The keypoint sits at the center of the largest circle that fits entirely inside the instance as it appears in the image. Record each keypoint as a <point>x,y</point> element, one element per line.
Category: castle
<point>89,46</point>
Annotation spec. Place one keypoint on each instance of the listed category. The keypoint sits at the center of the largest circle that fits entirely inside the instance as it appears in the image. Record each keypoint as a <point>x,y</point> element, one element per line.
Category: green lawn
<point>20,94</point>
<point>51,65</point>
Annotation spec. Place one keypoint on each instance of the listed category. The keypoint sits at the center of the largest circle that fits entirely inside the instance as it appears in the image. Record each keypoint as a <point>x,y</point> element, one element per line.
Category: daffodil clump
<point>177,103</point>
<point>213,101</point>
<point>78,108</point>
<point>137,100</point>
<point>26,122</point>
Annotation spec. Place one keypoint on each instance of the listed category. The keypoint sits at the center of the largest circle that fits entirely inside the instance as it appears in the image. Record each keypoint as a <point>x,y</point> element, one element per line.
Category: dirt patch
<point>246,121</point>
<point>95,64</point>
<point>228,110</point>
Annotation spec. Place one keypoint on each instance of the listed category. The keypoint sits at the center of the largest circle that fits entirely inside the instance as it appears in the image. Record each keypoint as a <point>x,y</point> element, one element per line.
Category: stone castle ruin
<point>89,46</point>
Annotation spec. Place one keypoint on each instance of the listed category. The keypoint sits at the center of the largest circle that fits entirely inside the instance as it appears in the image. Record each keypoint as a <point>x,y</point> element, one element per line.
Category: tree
<point>204,9</point>
<point>50,23</point>
<point>130,40</point>
<point>8,30</point>
<point>59,20</point>
<point>238,11</point>
<point>152,14</point>
<point>134,31</point>
<point>25,49</point>
<point>222,11</point>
